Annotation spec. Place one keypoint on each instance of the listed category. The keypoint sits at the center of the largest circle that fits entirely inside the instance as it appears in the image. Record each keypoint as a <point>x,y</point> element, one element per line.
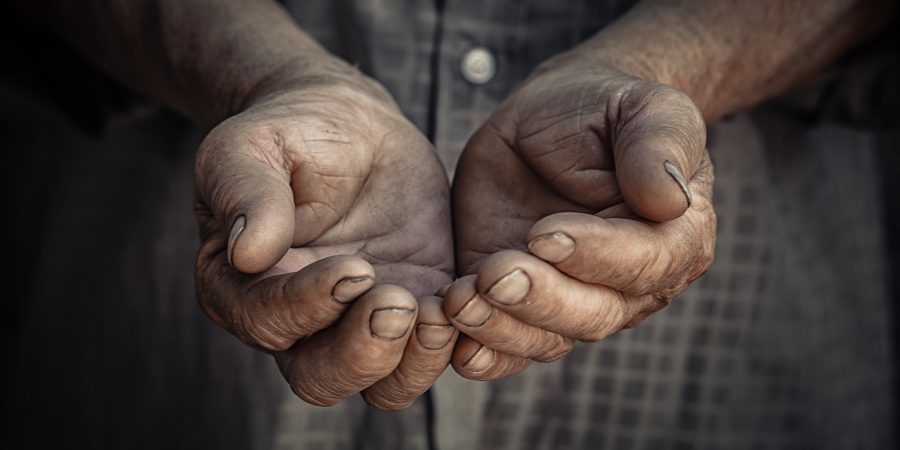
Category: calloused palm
<point>321,192</point>
<point>583,205</point>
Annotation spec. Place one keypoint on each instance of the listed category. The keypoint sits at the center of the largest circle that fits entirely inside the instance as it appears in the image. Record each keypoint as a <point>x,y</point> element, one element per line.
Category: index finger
<point>274,312</point>
<point>538,294</point>
<point>631,255</point>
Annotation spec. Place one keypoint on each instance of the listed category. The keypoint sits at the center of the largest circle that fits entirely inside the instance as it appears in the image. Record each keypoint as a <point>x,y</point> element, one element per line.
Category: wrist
<point>313,75</point>
<point>667,50</point>
<point>729,55</point>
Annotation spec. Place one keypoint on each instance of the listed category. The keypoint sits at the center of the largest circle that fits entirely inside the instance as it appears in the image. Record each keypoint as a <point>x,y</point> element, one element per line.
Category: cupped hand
<point>581,206</point>
<point>306,200</point>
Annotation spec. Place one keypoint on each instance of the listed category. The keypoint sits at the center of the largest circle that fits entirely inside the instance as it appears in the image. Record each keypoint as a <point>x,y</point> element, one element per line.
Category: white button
<point>478,65</point>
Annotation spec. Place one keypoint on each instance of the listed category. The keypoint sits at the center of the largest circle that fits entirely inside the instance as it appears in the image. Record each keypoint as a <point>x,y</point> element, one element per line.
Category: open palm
<point>305,201</point>
<point>581,206</point>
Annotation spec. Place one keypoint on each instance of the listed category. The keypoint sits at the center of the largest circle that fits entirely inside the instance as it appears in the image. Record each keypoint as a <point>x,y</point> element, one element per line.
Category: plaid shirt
<point>784,343</point>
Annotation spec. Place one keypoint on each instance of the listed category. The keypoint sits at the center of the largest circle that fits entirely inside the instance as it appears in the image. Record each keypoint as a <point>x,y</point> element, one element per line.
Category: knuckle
<point>635,321</point>
<point>662,104</point>
<point>255,333</point>
<point>386,401</point>
<point>400,389</point>
<point>598,332</point>
<point>313,396</point>
<point>205,278</point>
<point>649,305</point>
<point>509,367</point>
<point>410,380</point>
<point>268,334</point>
<point>266,341</point>
<point>364,371</point>
<point>606,321</point>
<point>594,335</point>
<point>561,347</point>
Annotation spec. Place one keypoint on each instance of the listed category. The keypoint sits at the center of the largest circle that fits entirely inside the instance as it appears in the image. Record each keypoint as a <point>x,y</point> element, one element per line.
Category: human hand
<point>304,200</point>
<point>582,206</point>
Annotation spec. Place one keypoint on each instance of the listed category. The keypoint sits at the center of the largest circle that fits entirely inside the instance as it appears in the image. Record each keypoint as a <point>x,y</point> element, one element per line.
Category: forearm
<point>205,60</point>
<point>727,55</point>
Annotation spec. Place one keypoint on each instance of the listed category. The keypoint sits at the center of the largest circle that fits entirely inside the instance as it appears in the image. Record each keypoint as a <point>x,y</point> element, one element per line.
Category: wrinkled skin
<point>569,219</point>
<point>323,192</point>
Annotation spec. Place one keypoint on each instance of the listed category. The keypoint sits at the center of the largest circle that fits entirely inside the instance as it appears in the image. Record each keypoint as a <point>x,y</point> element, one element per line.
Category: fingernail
<point>475,313</point>
<point>552,247</point>
<point>672,170</point>
<point>390,323</point>
<point>510,289</point>
<point>349,288</point>
<point>434,337</point>
<point>480,361</point>
<point>236,230</point>
<point>443,290</point>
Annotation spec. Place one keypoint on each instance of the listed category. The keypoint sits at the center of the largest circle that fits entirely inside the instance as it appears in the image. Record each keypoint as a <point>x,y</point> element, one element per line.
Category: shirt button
<point>478,65</point>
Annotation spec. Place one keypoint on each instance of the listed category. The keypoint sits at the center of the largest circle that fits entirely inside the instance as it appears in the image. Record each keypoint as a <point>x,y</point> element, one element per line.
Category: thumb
<point>251,198</point>
<point>657,151</point>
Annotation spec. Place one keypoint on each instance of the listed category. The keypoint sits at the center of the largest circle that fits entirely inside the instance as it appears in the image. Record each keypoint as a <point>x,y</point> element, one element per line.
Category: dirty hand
<point>306,200</point>
<point>581,206</point>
